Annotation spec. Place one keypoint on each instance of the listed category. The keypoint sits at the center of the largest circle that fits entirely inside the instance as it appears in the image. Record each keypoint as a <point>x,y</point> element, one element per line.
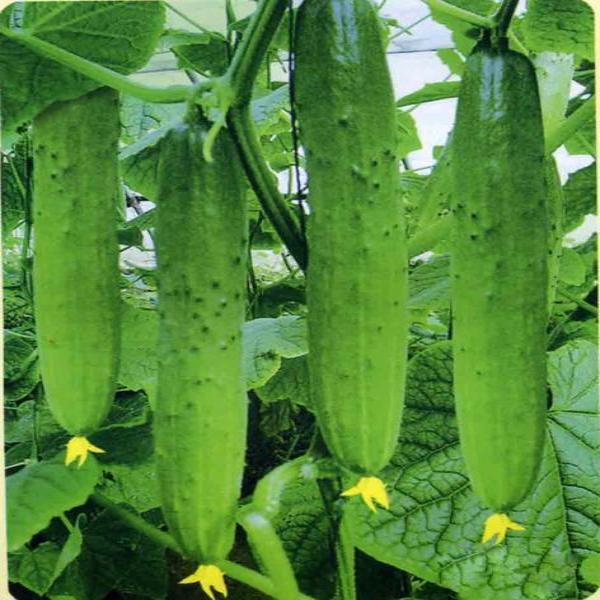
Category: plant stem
<point>581,303</point>
<point>251,51</point>
<point>264,183</point>
<point>460,13</point>
<point>271,552</point>
<point>238,572</point>
<point>100,74</point>
<point>504,15</point>
<point>571,124</point>
<point>186,18</point>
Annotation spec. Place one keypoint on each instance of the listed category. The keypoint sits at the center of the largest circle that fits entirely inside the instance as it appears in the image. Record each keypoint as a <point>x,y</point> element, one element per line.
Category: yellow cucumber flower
<point>498,525</point>
<point>370,488</point>
<point>208,576</point>
<point>78,448</point>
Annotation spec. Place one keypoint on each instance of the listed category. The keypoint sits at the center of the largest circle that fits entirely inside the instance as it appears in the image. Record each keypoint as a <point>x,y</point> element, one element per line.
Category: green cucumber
<point>499,273</point>
<point>75,269</point>
<point>357,273</point>
<point>201,405</point>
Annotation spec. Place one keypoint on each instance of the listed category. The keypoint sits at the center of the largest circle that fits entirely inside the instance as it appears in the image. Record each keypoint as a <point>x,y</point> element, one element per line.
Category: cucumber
<point>75,268</point>
<point>201,405</point>
<point>357,272</point>
<point>499,274</point>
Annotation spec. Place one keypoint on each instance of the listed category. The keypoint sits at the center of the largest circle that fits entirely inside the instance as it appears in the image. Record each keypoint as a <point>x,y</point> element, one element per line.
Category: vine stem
<point>266,543</point>
<point>571,124</point>
<point>235,571</point>
<point>99,73</point>
<point>581,303</point>
<point>264,183</point>
<point>460,13</point>
<point>251,51</point>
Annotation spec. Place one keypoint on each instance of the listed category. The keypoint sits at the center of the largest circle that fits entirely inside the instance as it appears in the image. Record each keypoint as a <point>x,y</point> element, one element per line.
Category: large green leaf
<point>119,35</point>
<point>431,92</point>
<point>560,26</point>
<point>434,527</point>
<point>580,196</point>
<point>42,491</point>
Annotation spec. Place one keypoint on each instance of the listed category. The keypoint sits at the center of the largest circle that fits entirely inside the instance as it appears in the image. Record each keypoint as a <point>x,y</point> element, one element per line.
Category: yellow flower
<point>498,525</point>
<point>208,576</point>
<point>370,488</point>
<point>78,448</point>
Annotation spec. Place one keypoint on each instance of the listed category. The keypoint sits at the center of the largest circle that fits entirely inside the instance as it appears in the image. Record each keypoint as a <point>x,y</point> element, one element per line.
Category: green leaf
<point>70,551</point>
<point>35,569</point>
<point>579,196</point>
<point>266,110</point>
<point>572,268</point>
<point>429,284</point>
<point>560,26</point>
<point>118,35</point>
<point>434,527</point>
<point>431,92</point>
<point>21,372</point>
<point>290,383</point>
<point>590,569</point>
<point>115,557</point>
<point>139,117</point>
<point>407,133</point>
<point>42,491</point>
<point>453,60</point>
<point>266,342</point>
<point>139,337</point>
<point>206,52</point>
<point>554,72</point>
<point>139,161</point>
<point>304,529</point>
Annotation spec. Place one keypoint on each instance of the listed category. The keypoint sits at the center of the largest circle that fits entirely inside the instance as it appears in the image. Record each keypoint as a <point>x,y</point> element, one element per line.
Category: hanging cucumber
<point>357,276</point>
<point>500,277</point>
<point>75,270</point>
<point>200,417</point>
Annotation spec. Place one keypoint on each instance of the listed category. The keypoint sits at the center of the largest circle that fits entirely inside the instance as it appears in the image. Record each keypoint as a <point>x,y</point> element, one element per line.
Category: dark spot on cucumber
<point>215,285</point>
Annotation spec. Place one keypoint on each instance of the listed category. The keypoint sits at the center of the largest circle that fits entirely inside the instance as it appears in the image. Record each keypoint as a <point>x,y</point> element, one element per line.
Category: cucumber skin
<point>357,272</point>
<point>75,268</point>
<point>201,405</point>
<point>500,275</point>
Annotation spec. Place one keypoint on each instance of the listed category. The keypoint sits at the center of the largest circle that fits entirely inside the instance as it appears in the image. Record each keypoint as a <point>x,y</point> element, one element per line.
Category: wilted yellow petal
<point>498,525</point>
<point>370,488</point>
<point>78,448</point>
<point>209,577</point>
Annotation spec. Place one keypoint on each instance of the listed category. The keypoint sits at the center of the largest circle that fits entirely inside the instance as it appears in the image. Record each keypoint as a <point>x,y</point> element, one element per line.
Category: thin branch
<point>571,125</point>
<point>99,73</point>
<point>186,18</point>
<point>460,13</point>
<point>581,303</point>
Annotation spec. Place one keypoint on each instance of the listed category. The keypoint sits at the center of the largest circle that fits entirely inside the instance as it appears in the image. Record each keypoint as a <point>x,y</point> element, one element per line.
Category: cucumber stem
<point>99,73</point>
<point>504,15</point>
